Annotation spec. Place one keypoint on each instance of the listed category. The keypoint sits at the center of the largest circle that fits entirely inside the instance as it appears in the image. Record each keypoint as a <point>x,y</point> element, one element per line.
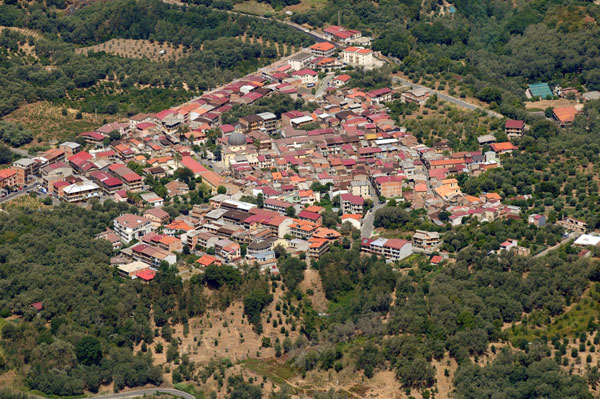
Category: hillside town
<point>270,178</point>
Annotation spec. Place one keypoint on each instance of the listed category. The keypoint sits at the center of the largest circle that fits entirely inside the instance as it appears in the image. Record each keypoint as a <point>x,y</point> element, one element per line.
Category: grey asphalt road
<point>367,225</point>
<point>445,97</point>
<point>21,152</point>
<point>323,84</point>
<point>150,391</point>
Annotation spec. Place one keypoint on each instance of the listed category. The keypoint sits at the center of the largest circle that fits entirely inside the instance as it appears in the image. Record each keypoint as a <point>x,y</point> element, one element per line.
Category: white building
<point>132,227</point>
<point>358,56</point>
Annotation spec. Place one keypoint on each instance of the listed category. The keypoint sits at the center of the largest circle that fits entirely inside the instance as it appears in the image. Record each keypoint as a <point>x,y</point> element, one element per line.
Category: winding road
<point>150,391</point>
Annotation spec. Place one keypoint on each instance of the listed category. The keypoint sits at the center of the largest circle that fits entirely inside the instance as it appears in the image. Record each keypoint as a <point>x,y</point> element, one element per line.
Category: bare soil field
<point>543,104</point>
<point>130,48</point>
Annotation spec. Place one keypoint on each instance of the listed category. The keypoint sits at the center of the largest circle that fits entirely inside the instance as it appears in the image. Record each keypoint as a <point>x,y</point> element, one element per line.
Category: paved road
<point>445,97</point>
<point>367,225</point>
<point>142,392</point>
<point>21,152</point>
<point>323,84</point>
<point>16,194</point>
<point>572,236</point>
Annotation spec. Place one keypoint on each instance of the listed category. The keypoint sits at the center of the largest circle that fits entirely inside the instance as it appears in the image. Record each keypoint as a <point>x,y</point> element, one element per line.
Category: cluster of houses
<point>297,162</point>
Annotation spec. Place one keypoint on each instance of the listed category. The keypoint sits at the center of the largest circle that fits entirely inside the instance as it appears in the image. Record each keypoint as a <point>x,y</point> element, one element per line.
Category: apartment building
<point>358,56</point>
<point>390,248</point>
<point>132,227</point>
<point>26,169</point>
<point>352,203</point>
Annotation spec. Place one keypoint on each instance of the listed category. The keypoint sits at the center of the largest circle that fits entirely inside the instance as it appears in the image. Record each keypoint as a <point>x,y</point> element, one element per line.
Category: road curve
<point>149,391</point>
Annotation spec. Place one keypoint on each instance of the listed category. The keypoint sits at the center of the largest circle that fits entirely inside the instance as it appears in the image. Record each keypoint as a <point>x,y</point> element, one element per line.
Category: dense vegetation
<point>88,341</point>
<point>458,309</point>
<point>52,70</point>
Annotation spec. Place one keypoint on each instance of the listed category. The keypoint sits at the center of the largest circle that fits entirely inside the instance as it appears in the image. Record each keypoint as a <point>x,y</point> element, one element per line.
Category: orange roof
<point>326,61</point>
<point>493,196</point>
<point>168,240</point>
<point>179,225</point>
<point>207,260</point>
<point>505,146</point>
<point>6,173</point>
<point>351,216</point>
<point>364,51</point>
<point>473,199</point>
<point>326,234</point>
<point>159,160</point>
<point>421,188</point>
<point>317,242</point>
<point>314,208</point>
<point>277,175</point>
<point>305,193</point>
<point>351,49</point>
<point>565,114</point>
<point>324,46</point>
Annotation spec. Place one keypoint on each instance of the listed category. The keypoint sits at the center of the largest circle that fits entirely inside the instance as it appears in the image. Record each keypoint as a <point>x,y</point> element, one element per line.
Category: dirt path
<point>312,281</point>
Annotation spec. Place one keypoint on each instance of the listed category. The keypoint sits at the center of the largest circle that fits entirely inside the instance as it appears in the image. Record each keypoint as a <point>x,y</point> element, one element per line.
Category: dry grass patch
<point>47,121</point>
<point>130,48</point>
<point>543,104</point>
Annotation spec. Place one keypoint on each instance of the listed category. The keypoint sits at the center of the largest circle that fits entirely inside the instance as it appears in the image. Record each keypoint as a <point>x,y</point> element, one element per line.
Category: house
<point>537,220</point>
<point>109,184</point>
<point>449,189</point>
<point>380,96</point>
<point>130,270</point>
<point>323,49</point>
<point>358,56</point>
<point>508,245</point>
<point>157,216</point>
<point>391,248</point>
<point>8,178</point>
<point>152,256</point>
<point>80,191</point>
<point>351,203</point>
<point>503,148</point>
<point>417,96</point>
<point>300,60</point>
<point>389,186</point>
<point>208,260</point>
<point>486,139</point>
<point>317,247</point>
<point>514,128</point>
<point>307,76</point>
<point>572,224</point>
<point>131,227</point>
<point>177,188</point>
<point>587,240</point>
<point>341,34</point>
<point>538,90</point>
<point>341,80</point>
<point>426,239</point>
<point>564,115</point>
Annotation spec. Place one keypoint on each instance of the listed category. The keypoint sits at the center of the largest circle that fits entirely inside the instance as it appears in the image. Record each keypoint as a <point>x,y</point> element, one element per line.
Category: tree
<point>290,211</point>
<point>88,350</point>
<point>221,190</point>
<point>260,200</point>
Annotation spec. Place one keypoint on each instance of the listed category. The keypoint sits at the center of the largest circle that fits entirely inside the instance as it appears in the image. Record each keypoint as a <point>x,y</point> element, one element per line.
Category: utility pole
<point>339,18</point>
